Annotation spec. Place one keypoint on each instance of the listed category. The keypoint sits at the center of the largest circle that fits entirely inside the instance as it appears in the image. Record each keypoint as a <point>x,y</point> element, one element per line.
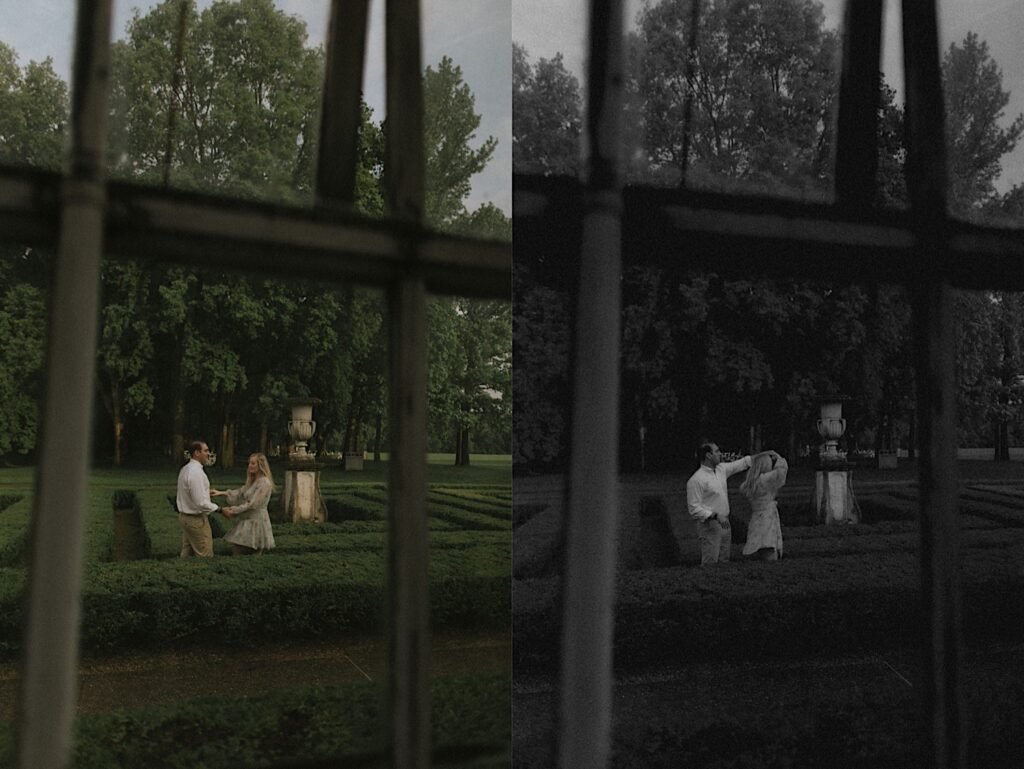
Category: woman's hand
<point>228,511</point>
<point>215,493</point>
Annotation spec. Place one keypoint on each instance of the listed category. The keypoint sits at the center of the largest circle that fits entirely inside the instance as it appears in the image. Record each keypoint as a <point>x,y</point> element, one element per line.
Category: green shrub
<point>14,529</point>
<point>330,724</point>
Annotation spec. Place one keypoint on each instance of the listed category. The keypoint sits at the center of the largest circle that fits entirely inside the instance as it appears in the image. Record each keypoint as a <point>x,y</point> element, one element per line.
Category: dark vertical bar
<point>46,708</point>
<point>859,84</point>
<point>408,642</point>
<point>587,681</point>
<point>936,408</point>
<point>340,115</point>
<point>409,628</point>
<point>404,161</point>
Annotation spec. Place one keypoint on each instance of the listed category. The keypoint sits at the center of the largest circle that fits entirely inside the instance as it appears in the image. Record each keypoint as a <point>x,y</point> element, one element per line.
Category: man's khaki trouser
<point>715,541</point>
<point>196,536</point>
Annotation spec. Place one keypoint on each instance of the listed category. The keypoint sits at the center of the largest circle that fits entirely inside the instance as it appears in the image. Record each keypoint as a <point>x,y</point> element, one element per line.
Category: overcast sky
<point>547,27</point>
<point>476,34</point>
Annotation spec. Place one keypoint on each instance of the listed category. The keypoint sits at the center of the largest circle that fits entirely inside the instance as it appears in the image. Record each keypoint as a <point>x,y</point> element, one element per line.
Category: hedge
<point>841,727</point>
<point>340,725</point>
<point>795,608</point>
<point>153,604</point>
<point>15,514</point>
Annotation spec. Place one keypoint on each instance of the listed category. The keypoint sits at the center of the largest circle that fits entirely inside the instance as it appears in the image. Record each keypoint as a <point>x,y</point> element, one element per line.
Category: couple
<point>251,532</point>
<point>707,499</point>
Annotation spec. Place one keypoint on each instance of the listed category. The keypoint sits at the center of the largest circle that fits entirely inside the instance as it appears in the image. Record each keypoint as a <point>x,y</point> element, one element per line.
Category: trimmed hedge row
<point>795,608</point>
<point>477,502</point>
<point>15,514</point>
<point>846,727</point>
<point>231,600</point>
<point>340,725</point>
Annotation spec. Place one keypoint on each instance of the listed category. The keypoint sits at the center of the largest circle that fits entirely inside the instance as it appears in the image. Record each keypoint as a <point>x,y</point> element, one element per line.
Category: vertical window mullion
<point>50,657</point>
<point>409,626</point>
<point>341,112</point>
<point>934,330</point>
<point>588,591</point>
<point>859,84</point>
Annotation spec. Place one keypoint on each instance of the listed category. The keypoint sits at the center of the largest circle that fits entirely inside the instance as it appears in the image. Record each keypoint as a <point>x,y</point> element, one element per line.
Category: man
<point>707,499</point>
<point>194,505</point>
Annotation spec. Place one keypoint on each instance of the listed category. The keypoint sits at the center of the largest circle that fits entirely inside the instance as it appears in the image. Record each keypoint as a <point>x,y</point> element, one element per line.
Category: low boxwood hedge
<point>337,725</point>
<point>15,515</point>
<point>797,607</point>
<point>126,606</point>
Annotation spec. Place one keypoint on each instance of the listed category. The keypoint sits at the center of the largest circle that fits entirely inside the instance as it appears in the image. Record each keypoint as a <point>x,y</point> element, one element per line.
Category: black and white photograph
<point>768,379</point>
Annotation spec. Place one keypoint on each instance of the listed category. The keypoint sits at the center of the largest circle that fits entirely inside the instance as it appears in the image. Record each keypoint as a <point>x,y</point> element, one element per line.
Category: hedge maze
<point>840,593</point>
<point>321,582</point>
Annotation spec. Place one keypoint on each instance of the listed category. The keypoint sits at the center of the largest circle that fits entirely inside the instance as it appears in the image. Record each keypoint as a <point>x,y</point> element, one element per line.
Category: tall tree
<point>450,123</point>
<point>748,103</point>
<point>546,115</point>
<point>975,104</point>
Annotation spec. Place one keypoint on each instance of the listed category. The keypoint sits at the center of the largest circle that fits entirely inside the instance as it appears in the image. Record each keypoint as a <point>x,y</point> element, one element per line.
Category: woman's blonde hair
<point>262,470</point>
<point>759,464</point>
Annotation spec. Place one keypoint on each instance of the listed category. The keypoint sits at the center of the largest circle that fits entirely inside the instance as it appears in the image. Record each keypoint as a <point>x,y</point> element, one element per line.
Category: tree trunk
<point>118,418</point>
<point>462,447</point>
<point>1002,441</point>
<point>912,438</point>
<point>264,439</point>
<point>353,425</point>
<point>376,438</point>
<point>227,444</point>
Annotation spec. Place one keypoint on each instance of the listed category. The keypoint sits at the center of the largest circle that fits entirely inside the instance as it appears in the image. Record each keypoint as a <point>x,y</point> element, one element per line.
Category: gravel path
<point>140,679</point>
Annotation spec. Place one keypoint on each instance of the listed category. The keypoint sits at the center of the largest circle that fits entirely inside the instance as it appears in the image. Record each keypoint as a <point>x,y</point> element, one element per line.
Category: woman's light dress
<point>764,529</point>
<point>252,521</point>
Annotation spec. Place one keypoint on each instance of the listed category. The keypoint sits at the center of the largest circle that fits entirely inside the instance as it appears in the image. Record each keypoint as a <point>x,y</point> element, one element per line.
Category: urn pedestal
<point>834,501</point>
<point>301,498</point>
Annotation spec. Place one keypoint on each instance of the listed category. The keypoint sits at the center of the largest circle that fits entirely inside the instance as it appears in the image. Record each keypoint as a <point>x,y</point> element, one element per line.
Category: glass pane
<point>982,73</point>
<point>224,99</point>
<point>467,87</point>
<point>35,51</point>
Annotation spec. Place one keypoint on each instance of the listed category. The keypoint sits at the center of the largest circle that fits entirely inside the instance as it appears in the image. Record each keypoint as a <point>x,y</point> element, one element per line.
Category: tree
<point>975,101</point>
<point>245,104</point>
<point>124,347</point>
<point>546,115</point>
<point>33,112</point>
<point>750,101</point>
<point>449,126</point>
<point>33,118</point>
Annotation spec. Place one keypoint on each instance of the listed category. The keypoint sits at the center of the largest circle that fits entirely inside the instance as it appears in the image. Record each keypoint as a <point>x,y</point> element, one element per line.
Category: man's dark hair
<point>194,447</point>
<point>702,451</point>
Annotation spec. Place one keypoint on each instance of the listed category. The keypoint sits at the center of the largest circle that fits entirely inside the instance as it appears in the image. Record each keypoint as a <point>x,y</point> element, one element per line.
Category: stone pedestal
<point>353,460</point>
<point>301,499</point>
<point>834,501</point>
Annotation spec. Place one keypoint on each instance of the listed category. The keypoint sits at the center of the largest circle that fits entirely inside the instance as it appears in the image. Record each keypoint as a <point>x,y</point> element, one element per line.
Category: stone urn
<point>301,426</point>
<point>831,427</point>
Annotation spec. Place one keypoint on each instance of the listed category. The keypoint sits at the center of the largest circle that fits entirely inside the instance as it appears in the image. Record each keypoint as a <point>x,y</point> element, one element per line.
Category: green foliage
<point>449,125</point>
<point>336,724</point>
<point>14,528</point>
<point>22,347</point>
<point>33,112</point>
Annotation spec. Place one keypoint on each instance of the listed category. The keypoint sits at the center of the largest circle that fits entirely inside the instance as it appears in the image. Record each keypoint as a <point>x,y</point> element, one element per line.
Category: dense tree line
<point>229,103</point>
<point>751,108</point>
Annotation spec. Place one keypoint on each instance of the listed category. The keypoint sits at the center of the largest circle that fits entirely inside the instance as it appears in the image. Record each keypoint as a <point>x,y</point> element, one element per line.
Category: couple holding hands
<point>251,533</point>
<point>707,499</point>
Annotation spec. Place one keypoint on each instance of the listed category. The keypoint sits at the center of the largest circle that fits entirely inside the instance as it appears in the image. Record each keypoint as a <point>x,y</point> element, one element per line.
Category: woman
<point>252,532</point>
<point>767,474</point>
